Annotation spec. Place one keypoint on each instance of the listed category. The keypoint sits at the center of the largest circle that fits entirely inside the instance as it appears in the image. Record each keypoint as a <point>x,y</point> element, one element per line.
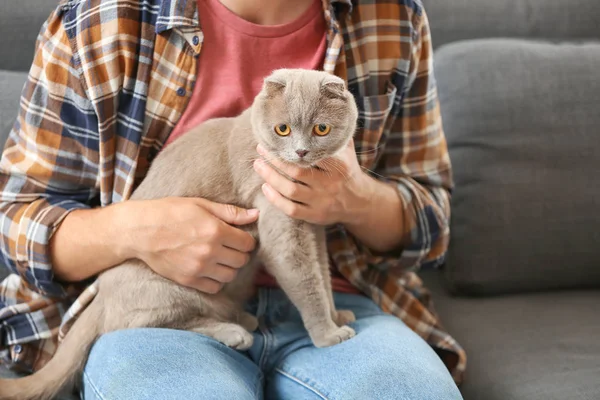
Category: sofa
<point>519,87</point>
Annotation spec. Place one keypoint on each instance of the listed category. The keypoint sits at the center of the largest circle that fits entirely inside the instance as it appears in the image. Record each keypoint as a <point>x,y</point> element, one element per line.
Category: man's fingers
<point>232,258</point>
<point>291,190</point>
<point>207,285</point>
<point>220,273</point>
<point>290,208</point>
<point>231,214</point>
<point>237,239</point>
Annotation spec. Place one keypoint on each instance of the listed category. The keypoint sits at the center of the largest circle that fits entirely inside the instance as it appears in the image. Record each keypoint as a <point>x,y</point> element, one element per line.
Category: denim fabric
<point>386,360</point>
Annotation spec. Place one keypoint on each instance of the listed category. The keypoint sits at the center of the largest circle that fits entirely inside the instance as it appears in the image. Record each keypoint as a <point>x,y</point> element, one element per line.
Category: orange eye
<point>321,129</point>
<point>283,130</point>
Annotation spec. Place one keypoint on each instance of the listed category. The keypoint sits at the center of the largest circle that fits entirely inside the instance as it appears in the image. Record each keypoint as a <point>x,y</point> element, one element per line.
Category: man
<point>113,82</point>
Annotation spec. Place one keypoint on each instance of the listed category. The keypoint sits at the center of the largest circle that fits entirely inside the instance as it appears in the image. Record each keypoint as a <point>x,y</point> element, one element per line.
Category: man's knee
<point>395,378</point>
<point>167,364</point>
<point>392,362</point>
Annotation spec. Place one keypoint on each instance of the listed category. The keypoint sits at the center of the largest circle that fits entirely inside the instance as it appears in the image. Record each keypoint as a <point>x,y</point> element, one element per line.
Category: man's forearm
<point>377,215</point>
<point>88,242</point>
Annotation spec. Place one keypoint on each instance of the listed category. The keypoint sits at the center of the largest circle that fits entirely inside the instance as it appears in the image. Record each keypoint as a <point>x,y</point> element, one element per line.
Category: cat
<point>214,161</point>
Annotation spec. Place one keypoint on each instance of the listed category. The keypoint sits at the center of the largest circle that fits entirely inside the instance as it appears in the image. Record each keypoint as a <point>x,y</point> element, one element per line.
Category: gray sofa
<point>519,85</point>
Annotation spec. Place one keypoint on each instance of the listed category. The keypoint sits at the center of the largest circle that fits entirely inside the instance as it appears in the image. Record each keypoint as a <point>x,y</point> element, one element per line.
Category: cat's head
<point>302,116</point>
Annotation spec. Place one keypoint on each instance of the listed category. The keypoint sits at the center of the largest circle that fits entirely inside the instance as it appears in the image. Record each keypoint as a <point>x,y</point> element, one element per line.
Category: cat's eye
<point>321,129</point>
<point>283,130</point>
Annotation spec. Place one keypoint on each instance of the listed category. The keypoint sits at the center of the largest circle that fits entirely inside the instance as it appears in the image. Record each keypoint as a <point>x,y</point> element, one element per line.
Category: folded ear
<point>333,87</point>
<point>273,84</point>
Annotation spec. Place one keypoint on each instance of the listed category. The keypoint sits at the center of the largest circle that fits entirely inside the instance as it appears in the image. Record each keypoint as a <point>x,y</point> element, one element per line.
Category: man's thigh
<point>385,360</point>
<point>167,364</point>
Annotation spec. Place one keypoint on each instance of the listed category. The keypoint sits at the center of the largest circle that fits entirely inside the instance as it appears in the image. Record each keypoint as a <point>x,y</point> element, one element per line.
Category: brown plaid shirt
<point>110,80</point>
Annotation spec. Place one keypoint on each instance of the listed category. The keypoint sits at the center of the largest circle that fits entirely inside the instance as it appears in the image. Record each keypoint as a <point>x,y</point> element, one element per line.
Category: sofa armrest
<point>20,23</point>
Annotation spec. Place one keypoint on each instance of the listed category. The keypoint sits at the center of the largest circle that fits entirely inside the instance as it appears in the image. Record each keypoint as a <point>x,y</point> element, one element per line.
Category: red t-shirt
<point>236,56</point>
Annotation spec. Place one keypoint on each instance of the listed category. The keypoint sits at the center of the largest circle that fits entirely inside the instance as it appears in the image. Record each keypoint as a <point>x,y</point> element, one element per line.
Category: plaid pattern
<point>109,82</point>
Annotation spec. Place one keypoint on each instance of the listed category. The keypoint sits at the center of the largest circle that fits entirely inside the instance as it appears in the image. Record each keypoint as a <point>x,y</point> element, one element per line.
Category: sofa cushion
<point>539,19</point>
<point>523,127</point>
<point>11,85</point>
<point>541,346</point>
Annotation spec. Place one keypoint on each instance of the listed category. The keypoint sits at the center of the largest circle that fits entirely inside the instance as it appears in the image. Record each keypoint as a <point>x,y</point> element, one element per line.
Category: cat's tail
<point>65,366</point>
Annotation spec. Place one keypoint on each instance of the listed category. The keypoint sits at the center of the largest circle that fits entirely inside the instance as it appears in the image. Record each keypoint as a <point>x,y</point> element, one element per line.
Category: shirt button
<point>195,40</point>
<point>18,349</point>
<point>181,92</point>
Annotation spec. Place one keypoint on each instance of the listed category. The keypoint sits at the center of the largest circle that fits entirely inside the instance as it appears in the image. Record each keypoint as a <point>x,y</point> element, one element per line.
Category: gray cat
<point>214,161</point>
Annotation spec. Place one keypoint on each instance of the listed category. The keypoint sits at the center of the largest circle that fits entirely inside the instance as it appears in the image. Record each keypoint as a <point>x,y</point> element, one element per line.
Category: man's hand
<point>190,241</point>
<point>333,192</point>
<point>337,191</point>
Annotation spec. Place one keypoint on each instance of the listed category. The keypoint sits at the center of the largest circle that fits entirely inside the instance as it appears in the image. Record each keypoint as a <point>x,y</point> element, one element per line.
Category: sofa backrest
<point>518,86</point>
<point>557,20</point>
<point>20,23</point>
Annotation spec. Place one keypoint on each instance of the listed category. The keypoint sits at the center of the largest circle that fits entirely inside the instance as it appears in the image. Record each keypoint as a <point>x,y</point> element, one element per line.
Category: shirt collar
<point>184,13</point>
<point>177,14</point>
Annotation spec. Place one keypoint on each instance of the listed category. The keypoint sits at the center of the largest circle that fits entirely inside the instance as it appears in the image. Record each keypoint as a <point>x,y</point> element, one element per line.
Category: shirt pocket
<point>372,122</point>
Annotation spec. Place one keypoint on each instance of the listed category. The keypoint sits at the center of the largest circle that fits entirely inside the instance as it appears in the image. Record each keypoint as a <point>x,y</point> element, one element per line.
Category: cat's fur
<point>214,161</point>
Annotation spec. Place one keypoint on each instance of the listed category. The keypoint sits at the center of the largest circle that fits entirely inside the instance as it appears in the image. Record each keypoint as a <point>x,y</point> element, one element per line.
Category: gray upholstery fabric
<point>20,22</point>
<point>523,129</point>
<point>11,85</point>
<point>3,272</point>
<point>5,373</point>
<point>540,346</point>
<point>551,19</point>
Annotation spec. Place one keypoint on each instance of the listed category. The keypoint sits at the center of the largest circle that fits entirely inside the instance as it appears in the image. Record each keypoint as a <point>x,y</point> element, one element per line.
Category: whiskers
<point>269,159</point>
<point>374,150</point>
<point>327,165</point>
<point>332,164</point>
<point>370,171</point>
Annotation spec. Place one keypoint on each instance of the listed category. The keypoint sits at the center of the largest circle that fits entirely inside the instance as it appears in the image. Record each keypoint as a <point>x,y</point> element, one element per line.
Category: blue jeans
<point>385,360</point>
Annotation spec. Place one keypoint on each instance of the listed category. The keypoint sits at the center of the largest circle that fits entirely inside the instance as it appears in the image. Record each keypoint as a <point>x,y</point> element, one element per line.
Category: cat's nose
<point>301,153</point>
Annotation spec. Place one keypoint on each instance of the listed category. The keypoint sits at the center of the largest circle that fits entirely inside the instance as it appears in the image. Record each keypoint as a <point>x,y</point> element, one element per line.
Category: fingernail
<point>260,149</point>
<point>253,212</point>
<point>265,187</point>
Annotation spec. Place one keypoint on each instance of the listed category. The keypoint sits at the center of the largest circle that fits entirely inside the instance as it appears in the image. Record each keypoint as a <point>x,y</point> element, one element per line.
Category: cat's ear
<point>273,84</point>
<point>333,87</point>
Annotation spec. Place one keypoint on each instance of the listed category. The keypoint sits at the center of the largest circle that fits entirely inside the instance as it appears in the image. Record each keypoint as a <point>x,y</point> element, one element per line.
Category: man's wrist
<point>88,231</point>
<point>362,190</point>
<point>125,215</point>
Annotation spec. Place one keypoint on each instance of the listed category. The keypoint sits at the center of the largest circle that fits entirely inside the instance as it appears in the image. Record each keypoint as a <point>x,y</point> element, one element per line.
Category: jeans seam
<point>94,388</point>
<point>301,383</point>
<point>263,301</point>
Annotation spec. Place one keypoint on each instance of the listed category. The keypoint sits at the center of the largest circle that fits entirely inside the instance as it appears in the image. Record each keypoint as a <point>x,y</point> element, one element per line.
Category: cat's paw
<point>334,336</point>
<point>343,317</point>
<point>235,337</point>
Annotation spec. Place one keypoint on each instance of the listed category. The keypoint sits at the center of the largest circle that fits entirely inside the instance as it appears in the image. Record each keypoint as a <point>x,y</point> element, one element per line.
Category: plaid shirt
<point>110,80</point>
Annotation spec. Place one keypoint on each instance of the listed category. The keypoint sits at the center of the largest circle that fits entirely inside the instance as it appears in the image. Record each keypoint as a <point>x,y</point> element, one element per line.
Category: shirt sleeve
<point>416,161</point>
<point>49,165</point>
